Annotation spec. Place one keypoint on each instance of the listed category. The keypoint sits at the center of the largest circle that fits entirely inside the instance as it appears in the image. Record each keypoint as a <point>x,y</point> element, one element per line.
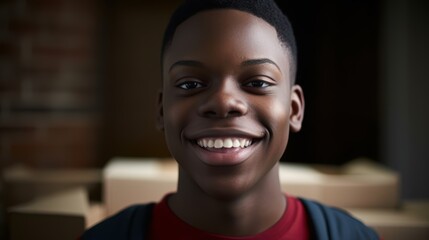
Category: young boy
<point>228,103</point>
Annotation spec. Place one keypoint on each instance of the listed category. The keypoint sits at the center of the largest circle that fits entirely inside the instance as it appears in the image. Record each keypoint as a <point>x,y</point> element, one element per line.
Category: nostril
<point>223,104</point>
<point>222,114</point>
<point>210,114</point>
<point>234,113</point>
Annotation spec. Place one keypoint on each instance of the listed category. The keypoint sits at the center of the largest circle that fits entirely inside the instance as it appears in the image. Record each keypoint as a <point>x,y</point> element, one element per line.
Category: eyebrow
<point>260,61</point>
<point>189,63</point>
<point>249,62</point>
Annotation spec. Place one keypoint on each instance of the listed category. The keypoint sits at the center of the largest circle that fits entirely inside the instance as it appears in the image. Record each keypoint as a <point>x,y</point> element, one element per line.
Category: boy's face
<point>227,103</point>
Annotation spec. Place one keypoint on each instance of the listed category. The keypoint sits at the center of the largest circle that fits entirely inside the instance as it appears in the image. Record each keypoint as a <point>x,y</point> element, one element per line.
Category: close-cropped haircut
<point>264,9</point>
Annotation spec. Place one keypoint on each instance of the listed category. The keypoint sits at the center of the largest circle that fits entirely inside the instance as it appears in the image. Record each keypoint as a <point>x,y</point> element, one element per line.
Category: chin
<point>227,189</point>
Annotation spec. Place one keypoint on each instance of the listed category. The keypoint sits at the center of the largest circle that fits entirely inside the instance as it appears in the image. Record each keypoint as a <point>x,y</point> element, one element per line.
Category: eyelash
<point>265,84</point>
<point>185,85</point>
<point>189,85</point>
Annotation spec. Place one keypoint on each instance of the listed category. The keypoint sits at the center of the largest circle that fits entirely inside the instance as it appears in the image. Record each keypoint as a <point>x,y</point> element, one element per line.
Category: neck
<point>247,213</point>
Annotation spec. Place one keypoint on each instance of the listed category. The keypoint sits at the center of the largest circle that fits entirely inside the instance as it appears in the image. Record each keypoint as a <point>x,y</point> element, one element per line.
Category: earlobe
<point>297,108</point>
<point>160,112</point>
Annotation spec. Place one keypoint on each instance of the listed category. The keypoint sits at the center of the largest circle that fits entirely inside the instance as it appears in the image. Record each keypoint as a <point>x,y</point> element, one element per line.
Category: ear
<point>297,105</point>
<point>159,112</point>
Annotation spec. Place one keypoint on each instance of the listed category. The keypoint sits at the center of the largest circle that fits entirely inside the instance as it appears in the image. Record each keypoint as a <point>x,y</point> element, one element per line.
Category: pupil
<point>191,85</point>
<point>257,84</point>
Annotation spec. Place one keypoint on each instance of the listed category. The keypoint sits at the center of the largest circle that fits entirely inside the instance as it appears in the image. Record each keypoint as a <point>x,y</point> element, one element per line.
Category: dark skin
<point>226,77</point>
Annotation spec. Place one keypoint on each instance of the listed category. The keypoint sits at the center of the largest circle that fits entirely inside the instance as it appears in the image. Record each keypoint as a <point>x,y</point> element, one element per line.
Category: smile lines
<point>224,142</point>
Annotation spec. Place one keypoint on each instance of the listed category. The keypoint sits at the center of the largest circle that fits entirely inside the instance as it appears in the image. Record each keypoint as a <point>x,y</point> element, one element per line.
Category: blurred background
<point>78,83</point>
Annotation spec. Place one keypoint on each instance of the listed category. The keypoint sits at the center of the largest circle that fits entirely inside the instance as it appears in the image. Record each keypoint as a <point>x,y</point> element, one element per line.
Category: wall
<point>338,69</point>
<point>403,109</point>
<point>48,83</point>
<point>49,99</point>
<point>134,31</point>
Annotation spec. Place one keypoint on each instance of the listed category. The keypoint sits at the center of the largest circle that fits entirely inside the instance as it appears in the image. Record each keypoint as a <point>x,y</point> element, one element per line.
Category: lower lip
<point>224,156</point>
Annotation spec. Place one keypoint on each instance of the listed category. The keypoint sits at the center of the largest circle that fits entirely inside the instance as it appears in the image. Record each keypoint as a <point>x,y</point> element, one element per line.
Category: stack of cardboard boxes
<point>367,190</point>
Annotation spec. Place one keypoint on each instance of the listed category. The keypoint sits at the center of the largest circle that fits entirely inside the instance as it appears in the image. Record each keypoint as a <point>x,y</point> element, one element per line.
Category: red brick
<point>58,5</point>
<point>59,53</point>
<point>62,143</point>
<point>82,85</point>
<point>61,74</point>
<point>53,156</point>
<point>31,27</point>
<point>61,34</point>
<point>9,87</point>
<point>41,68</point>
<point>19,26</point>
<point>15,130</point>
<point>8,49</point>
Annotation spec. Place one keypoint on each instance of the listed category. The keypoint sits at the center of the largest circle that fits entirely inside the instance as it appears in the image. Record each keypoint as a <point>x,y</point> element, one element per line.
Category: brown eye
<point>258,84</point>
<point>190,85</point>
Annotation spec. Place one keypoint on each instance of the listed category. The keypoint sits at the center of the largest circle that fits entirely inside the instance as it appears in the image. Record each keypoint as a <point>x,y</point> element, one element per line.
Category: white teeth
<point>242,142</point>
<point>236,143</point>
<point>218,143</point>
<point>210,144</point>
<point>224,142</point>
<point>227,143</point>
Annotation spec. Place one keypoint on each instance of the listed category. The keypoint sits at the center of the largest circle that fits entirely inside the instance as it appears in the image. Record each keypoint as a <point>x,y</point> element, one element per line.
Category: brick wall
<point>48,83</point>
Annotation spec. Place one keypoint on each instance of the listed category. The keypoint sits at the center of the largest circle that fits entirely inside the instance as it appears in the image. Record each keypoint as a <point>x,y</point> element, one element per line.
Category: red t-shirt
<point>293,225</point>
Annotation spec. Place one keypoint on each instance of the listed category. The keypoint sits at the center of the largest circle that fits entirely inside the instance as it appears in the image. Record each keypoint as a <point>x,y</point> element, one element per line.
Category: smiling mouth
<point>219,143</point>
<point>225,150</point>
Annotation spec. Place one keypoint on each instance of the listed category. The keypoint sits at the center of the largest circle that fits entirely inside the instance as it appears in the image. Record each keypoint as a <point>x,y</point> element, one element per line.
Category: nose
<point>224,101</point>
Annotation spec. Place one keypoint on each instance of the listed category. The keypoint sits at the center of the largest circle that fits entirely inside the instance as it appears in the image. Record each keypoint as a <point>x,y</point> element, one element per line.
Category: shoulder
<point>333,223</point>
<point>127,224</point>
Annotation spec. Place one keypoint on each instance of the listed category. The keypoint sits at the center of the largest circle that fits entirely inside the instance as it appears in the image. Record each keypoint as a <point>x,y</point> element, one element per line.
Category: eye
<point>258,84</point>
<point>188,85</point>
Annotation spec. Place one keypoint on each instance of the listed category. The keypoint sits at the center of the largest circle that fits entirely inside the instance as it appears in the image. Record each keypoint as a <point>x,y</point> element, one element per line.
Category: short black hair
<point>264,9</point>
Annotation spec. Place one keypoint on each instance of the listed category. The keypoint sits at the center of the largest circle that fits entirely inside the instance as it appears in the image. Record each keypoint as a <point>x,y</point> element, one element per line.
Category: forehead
<point>225,36</point>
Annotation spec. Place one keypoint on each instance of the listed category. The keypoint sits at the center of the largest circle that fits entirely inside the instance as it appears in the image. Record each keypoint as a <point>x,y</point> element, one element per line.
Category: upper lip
<point>224,132</point>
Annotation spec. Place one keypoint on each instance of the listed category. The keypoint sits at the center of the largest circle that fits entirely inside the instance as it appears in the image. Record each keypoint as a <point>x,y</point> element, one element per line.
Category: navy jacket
<point>326,223</point>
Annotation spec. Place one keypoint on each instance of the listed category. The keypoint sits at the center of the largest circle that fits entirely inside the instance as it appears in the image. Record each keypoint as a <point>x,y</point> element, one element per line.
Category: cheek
<point>280,125</point>
<point>176,115</point>
<point>275,116</point>
<point>174,118</point>
<point>274,113</point>
<point>280,116</point>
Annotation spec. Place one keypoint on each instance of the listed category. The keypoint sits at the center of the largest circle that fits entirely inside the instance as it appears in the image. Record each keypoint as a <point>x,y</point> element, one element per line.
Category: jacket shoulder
<point>129,224</point>
<point>333,223</point>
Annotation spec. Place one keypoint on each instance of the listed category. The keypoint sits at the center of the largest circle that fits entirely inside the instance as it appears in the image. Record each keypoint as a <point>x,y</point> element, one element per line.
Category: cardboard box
<point>358,184</point>
<point>63,215</point>
<point>22,184</point>
<point>130,181</point>
<point>66,215</point>
<point>410,221</point>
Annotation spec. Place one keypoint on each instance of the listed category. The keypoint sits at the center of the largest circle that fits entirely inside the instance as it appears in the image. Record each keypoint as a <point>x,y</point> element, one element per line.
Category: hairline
<point>292,59</point>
